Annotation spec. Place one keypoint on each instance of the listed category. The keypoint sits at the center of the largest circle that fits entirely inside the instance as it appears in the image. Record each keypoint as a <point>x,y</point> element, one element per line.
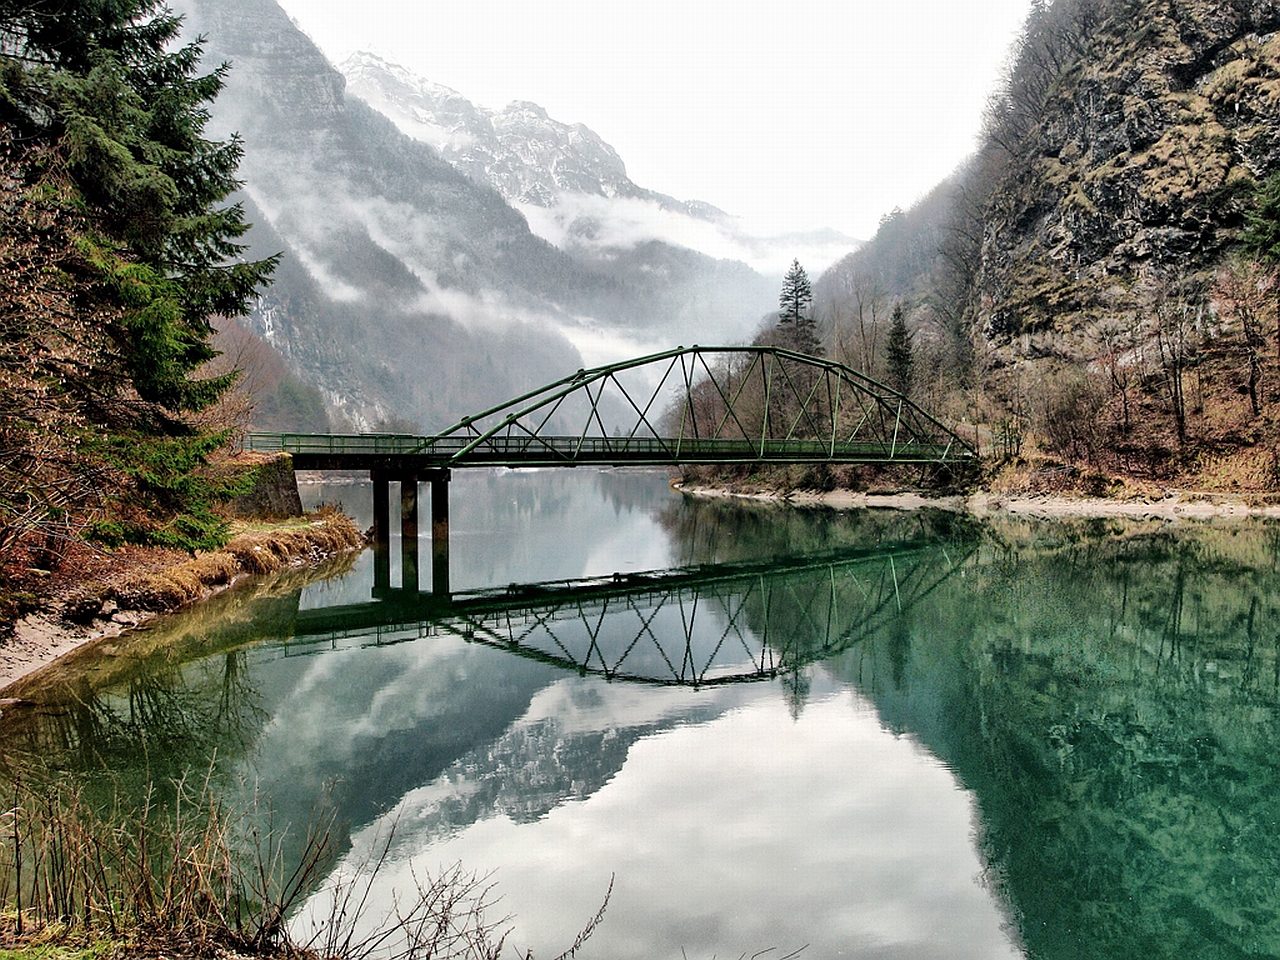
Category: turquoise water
<point>865,734</point>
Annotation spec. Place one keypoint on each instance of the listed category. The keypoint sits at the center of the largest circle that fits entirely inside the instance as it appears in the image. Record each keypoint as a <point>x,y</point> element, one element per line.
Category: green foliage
<point>168,483</point>
<point>794,319</point>
<point>126,108</point>
<point>102,112</point>
<point>1260,237</point>
<point>898,354</point>
<point>796,296</point>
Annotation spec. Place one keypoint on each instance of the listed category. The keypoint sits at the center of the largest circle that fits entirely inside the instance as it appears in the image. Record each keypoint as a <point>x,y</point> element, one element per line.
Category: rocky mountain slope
<point>523,153</point>
<point>1137,169</point>
<point>571,185</point>
<point>1079,280</point>
<point>409,292</point>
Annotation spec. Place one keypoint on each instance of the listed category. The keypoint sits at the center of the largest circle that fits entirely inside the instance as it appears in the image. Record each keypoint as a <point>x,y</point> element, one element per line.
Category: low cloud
<point>585,220</point>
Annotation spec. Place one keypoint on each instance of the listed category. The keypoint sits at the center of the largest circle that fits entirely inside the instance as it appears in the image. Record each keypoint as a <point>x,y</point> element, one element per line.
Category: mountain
<point>1078,280</point>
<point>408,292</point>
<point>570,184</point>
<point>524,154</point>
<point>1139,166</point>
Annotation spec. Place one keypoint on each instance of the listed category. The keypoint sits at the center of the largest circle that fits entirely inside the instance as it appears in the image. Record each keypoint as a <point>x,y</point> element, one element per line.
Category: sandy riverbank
<point>136,591</point>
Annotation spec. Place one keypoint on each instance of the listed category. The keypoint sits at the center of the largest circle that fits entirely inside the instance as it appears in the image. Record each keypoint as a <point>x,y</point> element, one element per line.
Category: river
<point>865,734</point>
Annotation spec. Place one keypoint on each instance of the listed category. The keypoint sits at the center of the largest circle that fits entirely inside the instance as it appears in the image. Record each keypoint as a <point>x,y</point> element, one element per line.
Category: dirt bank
<point>104,594</point>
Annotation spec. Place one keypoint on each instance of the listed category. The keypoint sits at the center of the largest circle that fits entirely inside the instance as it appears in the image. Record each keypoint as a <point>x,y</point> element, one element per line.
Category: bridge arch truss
<point>752,404</point>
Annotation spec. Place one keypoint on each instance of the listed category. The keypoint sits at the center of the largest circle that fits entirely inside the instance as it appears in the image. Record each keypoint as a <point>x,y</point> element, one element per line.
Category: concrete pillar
<point>440,534</point>
<point>409,533</point>
<point>381,531</point>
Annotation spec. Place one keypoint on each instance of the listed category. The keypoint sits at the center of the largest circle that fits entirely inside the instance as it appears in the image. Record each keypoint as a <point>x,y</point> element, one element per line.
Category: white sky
<point>814,113</point>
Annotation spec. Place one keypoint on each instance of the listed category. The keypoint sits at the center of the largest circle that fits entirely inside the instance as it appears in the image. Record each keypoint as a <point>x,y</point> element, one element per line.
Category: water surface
<point>878,734</point>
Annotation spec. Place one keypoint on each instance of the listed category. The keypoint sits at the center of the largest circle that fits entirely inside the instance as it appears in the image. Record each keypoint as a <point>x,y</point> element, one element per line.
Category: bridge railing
<point>516,450</point>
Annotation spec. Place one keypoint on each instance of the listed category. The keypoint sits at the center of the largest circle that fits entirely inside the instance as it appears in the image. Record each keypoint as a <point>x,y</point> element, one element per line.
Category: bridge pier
<point>440,533</point>
<point>381,531</point>
<point>409,572</point>
<point>409,533</point>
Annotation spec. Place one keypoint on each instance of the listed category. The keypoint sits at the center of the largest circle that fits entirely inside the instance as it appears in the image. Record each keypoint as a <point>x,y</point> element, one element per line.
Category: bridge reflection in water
<point>687,626</point>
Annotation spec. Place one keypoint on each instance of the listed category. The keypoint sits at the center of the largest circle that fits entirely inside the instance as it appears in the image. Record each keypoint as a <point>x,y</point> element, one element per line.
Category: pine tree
<point>102,114</point>
<point>797,328</point>
<point>899,358</point>
<point>796,296</point>
<point>126,114</point>
<point>1260,237</point>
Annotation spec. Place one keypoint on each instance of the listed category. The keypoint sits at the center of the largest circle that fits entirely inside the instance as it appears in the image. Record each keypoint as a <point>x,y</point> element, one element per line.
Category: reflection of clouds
<point>584,706</point>
<point>388,690</point>
<point>746,832</point>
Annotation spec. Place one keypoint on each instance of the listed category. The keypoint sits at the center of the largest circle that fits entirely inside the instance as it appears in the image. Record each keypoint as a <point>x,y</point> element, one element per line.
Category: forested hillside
<point>1095,282</point>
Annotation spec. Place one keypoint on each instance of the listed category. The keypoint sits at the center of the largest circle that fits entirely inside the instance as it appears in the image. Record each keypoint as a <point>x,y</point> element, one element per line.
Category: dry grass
<point>257,551</point>
<point>190,880</point>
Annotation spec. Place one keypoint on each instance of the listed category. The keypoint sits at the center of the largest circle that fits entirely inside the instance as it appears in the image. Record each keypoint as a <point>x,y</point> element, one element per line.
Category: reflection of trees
<point>823,614</point>
<point>1116,708</point>
<point>157,729</point>
<point>172,700</point>
<point>705,530</point>
<point>173,692</point>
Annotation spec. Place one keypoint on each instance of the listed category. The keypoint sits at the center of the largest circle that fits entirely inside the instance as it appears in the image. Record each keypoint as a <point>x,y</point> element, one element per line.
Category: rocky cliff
<point>1136,172</point>
<point>1080,281</point>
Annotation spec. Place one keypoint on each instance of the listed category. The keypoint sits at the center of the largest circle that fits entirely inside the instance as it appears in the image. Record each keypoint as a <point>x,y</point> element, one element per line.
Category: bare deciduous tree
<point>1245,292</point>
<point>1180,311</point>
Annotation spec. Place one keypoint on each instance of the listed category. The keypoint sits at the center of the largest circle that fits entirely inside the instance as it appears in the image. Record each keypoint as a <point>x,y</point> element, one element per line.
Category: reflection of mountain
<point>377,724</point>
<point>573,740</point>
<point>449,731</point>
<point>1112,701</point>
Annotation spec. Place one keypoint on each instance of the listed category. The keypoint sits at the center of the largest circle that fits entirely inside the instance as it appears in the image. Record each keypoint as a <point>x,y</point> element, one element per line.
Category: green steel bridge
<point>689,405</point>
<point>685,406</point>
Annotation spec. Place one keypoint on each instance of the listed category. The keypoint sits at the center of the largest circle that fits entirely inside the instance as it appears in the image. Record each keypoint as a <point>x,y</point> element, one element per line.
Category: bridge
<point>698,626</point>
<point>685,406</point>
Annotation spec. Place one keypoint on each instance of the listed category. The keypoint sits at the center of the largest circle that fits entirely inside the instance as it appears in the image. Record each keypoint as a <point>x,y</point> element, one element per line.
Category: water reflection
<point>1050,739</point>
<point>1112,700</point>
<point>694,626</point>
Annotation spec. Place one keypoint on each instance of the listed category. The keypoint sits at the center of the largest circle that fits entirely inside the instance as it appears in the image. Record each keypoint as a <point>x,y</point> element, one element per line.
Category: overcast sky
<point>808,114</point>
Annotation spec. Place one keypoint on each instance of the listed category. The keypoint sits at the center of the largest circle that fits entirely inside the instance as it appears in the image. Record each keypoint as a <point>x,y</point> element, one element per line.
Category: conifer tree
<point>1260,237</point>
<point>796,296</point>
<point>126,113</point>
<point>798,327</point>
<point>102,112</point>
<point>899,358</point>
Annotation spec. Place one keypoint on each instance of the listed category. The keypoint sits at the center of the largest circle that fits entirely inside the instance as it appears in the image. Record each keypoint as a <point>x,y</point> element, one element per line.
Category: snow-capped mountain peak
<point>570,184</point>
<point>520,151</point>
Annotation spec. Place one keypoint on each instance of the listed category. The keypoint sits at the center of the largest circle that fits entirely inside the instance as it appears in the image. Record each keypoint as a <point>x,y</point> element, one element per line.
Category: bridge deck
<point>365,451</point>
